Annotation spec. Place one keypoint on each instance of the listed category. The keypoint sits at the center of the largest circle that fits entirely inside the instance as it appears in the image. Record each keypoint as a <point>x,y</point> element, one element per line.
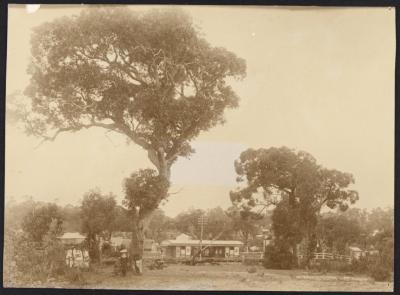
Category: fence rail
<point>328,256</point>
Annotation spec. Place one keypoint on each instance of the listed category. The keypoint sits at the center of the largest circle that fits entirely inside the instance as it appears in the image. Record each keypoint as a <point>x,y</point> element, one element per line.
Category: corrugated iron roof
<point>204,243</point>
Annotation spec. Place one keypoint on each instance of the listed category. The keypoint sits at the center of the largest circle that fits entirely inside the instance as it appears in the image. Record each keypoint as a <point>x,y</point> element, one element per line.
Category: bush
<point>277,257</point>
<point>360,265</point>
<point>27,262</point>
<point>380,273</point>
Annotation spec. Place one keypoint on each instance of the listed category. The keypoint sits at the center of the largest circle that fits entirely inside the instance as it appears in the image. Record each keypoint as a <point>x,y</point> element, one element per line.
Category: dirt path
<point>230,277</point>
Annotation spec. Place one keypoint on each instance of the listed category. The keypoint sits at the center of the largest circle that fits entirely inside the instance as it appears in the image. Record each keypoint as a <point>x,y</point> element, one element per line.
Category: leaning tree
<point>150,76</point>
<point>295,184</point>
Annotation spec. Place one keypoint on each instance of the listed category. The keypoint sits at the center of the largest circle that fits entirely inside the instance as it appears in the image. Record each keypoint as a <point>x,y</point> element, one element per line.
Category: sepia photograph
<point>184,147</point>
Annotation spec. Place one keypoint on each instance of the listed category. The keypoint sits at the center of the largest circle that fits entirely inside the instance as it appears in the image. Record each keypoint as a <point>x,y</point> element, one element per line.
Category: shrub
<point>360,265</point>
<point>380,273</point>
<point>278,257</point>
<point>32,262</point>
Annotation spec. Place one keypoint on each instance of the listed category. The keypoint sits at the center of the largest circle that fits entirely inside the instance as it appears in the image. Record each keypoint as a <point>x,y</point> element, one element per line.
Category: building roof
<point>72,236</point>
<point>197,243</point>
<point>356,249</point>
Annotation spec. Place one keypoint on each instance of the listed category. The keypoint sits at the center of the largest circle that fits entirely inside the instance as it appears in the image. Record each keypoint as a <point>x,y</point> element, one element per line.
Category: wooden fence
<point>242,257</point>
<point>328,256</point>
<point>251,256</point>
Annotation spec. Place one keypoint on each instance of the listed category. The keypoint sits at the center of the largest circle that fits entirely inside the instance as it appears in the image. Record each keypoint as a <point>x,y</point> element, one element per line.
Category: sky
<point>318,79</point>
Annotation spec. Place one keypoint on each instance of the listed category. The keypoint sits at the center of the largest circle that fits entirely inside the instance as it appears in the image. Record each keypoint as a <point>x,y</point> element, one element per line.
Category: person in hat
<point>124,261</point>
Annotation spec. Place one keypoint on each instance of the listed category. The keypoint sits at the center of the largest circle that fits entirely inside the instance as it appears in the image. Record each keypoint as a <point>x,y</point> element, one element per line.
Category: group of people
<point>77,258</point>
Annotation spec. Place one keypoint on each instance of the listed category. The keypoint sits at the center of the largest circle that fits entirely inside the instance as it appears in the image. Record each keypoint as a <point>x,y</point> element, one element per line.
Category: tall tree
<point>270,176</point>
<point>149,76</point>
<point>97,216</point>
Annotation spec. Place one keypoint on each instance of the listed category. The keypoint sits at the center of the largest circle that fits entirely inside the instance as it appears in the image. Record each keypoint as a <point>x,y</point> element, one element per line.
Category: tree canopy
<point>270,174</point>
<point>296,186</point>
<point>38,221</point>
<point>150,76</point>
<point>142,192</point>
<point>97,217</point>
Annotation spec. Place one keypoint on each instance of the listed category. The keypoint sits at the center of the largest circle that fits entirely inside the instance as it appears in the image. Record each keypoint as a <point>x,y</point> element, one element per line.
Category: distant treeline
<point>224,224</point>
<point>335,230</point>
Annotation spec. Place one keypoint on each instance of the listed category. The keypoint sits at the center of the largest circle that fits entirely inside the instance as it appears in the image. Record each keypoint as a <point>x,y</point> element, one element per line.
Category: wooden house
<point>184,247</point>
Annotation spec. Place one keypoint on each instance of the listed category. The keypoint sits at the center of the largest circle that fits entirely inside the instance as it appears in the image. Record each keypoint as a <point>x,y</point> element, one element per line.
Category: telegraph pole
<point>202,221</point>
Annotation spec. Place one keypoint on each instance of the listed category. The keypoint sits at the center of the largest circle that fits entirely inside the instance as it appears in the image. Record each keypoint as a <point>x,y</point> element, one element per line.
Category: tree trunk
<point>311,245</point>
<point>137,244</point>
<point>246,241</point>
<point>294,253</point>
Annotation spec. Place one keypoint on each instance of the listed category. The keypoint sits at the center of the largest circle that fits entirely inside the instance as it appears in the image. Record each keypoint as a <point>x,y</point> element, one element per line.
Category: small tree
<point>97,216</point>
<point>142,196</point>
<point>38,221</point>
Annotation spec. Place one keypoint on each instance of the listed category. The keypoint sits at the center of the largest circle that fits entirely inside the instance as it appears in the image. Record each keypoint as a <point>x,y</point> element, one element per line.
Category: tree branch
<point>111,126</point>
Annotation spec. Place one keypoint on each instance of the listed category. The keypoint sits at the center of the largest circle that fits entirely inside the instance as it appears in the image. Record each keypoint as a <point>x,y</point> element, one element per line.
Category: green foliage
<point>278,256</point>
<point>14,212</point>
<point>71,217</point>
<point>227,224</point>
<point>187,222</point>
<point>97,217</point>
<point>122,220</point>
<point>296,185</point>
<point>380,273</point>
<point>218,224</point>
<point>97,212</point>
<point>246,223</point>
<point>340,230</point>
<point>144,190</point>
<point>37,222</point>
<point>158,225</point>
<point>150,76</point>
<point>27,262</point>
<point>273,173</point>
<point>285,224</point>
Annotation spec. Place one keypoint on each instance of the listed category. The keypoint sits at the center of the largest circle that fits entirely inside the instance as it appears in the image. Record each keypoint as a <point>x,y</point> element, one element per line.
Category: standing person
<point>124,261</point>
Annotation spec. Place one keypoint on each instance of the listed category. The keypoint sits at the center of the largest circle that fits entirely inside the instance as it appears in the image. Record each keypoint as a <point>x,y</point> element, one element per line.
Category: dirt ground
<point>233,276</point>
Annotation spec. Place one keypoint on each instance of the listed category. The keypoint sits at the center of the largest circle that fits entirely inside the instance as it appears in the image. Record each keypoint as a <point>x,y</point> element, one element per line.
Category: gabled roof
<point>72,236</point>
